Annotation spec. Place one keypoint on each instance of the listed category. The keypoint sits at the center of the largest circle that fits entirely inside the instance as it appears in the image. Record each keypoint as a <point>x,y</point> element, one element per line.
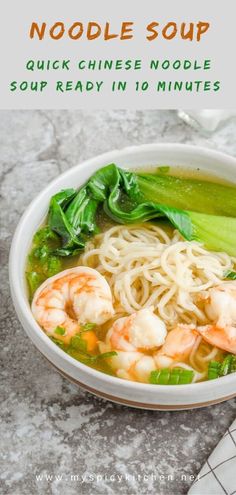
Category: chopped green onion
<point>225,368</point>
<point>85,358</point>
<point>213,370</point>
<point>60,331</point>
<point>217,369</point>
<point>106,355</point>
<point>174,376</point>
<point>93,359</point>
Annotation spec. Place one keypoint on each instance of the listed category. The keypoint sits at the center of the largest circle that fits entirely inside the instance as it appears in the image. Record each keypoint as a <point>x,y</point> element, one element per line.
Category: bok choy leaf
<point>230,275</point>
<point>72,215</point>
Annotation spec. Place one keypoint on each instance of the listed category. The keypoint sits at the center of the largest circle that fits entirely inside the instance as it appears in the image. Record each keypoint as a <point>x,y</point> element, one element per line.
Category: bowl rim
<point>15,274</point>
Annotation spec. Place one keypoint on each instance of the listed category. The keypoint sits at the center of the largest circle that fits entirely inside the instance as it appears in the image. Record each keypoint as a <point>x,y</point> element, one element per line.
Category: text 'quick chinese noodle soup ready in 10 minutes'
<point>134,274</point>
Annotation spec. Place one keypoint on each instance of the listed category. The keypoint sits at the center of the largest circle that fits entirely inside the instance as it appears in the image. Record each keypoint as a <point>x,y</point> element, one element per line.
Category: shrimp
<point>178,345</point>
<point>141,330</point>
<point>130,337</point>
<point>134,366</point>
<point>130,365</point>
<point>222,337</point>
<point>72,298</point>
<point>220,304</point>
<point>220,307</point>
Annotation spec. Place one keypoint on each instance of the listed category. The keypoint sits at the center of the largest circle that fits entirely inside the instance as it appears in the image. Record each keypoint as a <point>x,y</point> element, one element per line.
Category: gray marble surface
<point>52,431</point>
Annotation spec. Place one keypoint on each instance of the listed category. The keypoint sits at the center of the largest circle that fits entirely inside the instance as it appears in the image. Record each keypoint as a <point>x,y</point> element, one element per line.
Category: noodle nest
<point>146,266</point>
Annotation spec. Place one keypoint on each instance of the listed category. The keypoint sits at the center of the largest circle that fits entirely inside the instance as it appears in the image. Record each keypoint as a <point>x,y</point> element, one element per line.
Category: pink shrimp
<point>141,330</point>
<point>220,303</point>
<point>72,298</point>
<point>222,337</point>
<point>220,307</point>
<point>178,345</point>
<point>130,337</point>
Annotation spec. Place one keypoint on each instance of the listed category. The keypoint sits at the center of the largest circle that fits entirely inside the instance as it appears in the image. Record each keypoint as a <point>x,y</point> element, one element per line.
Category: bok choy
<point>127,197</point>
<point>202,196</point>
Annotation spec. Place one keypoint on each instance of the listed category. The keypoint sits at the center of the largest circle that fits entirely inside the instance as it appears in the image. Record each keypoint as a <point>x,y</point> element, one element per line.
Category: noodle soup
<point>136,288</point>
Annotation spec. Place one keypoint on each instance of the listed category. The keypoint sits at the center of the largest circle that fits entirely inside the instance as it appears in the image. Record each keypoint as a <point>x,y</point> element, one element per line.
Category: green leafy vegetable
<point>230,275</point>
<point>60,224</point>
<point>216,233</point>
<point>129,198</point>
<point>174,376</point>
<point>53,265</point>
<point>42,260</point>
<point>34,280</point>
<point>44,235</point>
<point>201,196</point>
<point>41,253</point>
<point>217,369</point>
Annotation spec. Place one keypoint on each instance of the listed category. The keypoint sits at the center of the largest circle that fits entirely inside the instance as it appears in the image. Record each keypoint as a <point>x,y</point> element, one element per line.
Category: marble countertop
<point>55,438</point>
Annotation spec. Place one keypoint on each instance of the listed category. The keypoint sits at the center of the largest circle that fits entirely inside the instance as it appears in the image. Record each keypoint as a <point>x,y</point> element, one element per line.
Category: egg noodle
<point>146,266</point>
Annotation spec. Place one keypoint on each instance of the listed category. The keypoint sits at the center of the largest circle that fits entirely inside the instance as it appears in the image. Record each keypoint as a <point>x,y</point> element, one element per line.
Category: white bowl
<point>115,389</point>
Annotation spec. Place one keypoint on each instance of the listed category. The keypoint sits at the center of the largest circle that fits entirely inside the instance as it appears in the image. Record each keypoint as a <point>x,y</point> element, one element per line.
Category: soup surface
<point>150,295</point>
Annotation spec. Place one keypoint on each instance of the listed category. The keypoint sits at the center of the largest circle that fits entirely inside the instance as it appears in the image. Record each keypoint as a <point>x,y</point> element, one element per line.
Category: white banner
<point>128,54</point>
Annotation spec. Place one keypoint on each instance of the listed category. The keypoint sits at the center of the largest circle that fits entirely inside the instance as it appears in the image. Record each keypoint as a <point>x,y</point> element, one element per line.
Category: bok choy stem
<point>201,196</point>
